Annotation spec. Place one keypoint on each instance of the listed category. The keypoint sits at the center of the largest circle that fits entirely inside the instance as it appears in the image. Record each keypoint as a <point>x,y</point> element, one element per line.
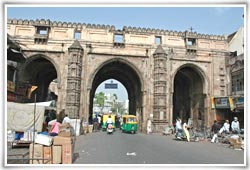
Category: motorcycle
<point>180,135</point>
<point>110,129</point>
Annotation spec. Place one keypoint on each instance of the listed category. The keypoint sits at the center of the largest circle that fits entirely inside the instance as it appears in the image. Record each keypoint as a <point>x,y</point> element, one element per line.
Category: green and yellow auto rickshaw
<point>104,121</point>
<point>129,123</point>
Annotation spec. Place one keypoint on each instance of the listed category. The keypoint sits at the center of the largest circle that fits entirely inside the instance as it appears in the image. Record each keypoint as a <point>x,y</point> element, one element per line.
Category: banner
<point>231,103</point>
<point>212,102</point>
<point>20,117</point>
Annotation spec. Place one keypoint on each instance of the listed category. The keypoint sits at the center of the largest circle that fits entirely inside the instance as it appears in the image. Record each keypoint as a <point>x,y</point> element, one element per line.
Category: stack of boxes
<point>236,142</point>
<point>54,150</point>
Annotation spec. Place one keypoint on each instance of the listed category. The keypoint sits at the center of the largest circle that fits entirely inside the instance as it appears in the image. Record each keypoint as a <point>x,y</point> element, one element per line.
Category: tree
<point>100,100</point>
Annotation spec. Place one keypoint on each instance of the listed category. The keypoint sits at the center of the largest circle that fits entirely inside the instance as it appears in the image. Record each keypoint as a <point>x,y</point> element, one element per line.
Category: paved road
<point>101,148</point>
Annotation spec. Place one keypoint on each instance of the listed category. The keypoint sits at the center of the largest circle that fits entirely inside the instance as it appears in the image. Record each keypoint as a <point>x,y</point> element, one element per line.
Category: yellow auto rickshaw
<point>104,121</point>
<point>129,123</point>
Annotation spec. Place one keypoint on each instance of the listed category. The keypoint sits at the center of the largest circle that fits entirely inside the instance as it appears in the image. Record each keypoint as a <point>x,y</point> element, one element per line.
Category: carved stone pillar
<point>74,80</point>
<point>160,91</point>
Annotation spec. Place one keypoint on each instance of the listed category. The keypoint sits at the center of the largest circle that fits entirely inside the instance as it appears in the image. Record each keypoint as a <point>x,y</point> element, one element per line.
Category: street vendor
<point>54,129</point>
<point>235,125</point>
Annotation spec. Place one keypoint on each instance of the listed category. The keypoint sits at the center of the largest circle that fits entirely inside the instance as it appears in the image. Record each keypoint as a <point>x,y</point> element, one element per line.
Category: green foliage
<point>100,99</point>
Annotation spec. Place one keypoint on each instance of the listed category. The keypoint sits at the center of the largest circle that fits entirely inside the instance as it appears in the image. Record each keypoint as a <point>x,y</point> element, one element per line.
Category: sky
<point>205,20</point>
<point>215,20</point>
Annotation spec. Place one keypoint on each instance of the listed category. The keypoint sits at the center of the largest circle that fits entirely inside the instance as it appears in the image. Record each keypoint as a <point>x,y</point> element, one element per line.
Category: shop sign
<point>221,103</point>
<point>240,102</point>
<point>11,86</point>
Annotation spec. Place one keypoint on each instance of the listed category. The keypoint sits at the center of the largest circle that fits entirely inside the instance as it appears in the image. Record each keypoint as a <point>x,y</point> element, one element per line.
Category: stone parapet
<point>129,29</point>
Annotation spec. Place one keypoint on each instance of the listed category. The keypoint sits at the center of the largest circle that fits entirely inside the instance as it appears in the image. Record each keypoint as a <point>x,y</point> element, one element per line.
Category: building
<point>235,67</point>
<point>16,91</point>
<point>166,73</point>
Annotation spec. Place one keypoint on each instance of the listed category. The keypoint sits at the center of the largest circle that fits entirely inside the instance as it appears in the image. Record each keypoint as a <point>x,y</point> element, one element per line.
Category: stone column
<point>160,91</point>
<point>73,90</point>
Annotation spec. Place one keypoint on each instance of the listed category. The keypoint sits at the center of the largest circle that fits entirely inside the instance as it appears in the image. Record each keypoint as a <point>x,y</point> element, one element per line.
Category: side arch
<point>190,91</point>
<point>37,56</point>
<point>40,70</point>
<point>199,70</point>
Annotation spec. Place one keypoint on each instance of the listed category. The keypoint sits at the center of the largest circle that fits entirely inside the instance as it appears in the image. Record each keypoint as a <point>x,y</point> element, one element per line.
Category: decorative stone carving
<point>74,79</point>
<point>160,81</point>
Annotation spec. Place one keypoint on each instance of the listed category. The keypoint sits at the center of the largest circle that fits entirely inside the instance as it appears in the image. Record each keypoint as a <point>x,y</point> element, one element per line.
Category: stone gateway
<point>167,74</point>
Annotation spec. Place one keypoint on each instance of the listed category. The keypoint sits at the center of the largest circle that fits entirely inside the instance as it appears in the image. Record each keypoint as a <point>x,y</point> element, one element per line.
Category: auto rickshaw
<point>104,121</point>
<point>129,123</point>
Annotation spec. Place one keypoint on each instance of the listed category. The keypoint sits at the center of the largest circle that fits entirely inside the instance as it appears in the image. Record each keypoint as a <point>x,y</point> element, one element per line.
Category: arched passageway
<point>188,98</point>
<point>124,73</point>
<point>39,71</point>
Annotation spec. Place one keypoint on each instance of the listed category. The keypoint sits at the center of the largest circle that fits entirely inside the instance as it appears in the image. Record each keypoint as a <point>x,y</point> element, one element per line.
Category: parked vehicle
<point>168,130</point>
<point>129,124</point>
<point>180,135</point>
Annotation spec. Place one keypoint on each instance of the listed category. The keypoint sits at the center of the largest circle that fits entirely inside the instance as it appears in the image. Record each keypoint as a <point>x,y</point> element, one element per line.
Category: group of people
<point>54,130</point>
<point>217,129</point>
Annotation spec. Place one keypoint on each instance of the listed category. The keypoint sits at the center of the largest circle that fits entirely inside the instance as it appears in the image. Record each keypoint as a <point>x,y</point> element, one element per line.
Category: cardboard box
<point>47,154</point>
<point>237,146</point>
<point>67,154</point>
<point>44,139</point>
<point>65,133</point>
<point>56,154</point>
<point>59,140</point>
<point>38,153</point>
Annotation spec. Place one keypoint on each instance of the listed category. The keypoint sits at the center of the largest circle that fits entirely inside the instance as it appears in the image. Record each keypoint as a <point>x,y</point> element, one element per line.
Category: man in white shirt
<point>109,120</point>
<point>225,127</point>
<point>66,119</point>
<point>235,126</point>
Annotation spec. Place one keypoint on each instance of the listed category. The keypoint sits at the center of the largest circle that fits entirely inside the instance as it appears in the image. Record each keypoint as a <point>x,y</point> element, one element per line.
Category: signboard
<point>239,102</point>
<point>221,103</point>
<point>111,85</point>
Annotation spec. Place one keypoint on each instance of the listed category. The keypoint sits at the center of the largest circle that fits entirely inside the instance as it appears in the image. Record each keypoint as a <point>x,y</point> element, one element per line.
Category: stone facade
<point>177,77</point>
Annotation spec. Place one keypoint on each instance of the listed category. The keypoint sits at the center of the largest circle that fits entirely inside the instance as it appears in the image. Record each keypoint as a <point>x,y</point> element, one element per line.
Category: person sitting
<point>54,129</point>
<point>225,128</point>
<point>235,125</point>
<point>66,119</point>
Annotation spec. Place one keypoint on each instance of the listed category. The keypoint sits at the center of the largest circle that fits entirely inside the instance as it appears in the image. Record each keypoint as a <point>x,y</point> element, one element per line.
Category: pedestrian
<point>149,126</point>
<point>66,119</point>
<point>178,125</point>
<point>95,120</point>
<point>99,121</point>
<point>215,129</point>
<point>185,129</point>
<point>235,125</point>
<point>225,128</point>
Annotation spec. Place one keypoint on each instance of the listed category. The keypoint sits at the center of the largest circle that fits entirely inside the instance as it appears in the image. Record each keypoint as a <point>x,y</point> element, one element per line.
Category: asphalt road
<point>101,148</point>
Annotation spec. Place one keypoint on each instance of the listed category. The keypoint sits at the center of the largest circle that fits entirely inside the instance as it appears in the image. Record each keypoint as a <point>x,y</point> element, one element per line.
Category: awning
<point>41,103</point>
<point>15,55</point>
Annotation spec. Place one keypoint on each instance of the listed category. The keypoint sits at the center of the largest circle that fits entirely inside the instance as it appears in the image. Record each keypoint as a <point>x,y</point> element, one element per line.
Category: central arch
<point>124,72</point>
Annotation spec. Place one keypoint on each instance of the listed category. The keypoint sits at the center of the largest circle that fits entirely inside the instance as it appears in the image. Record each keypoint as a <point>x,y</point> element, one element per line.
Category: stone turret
<point>160,91</point>
<point>74,79</point>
